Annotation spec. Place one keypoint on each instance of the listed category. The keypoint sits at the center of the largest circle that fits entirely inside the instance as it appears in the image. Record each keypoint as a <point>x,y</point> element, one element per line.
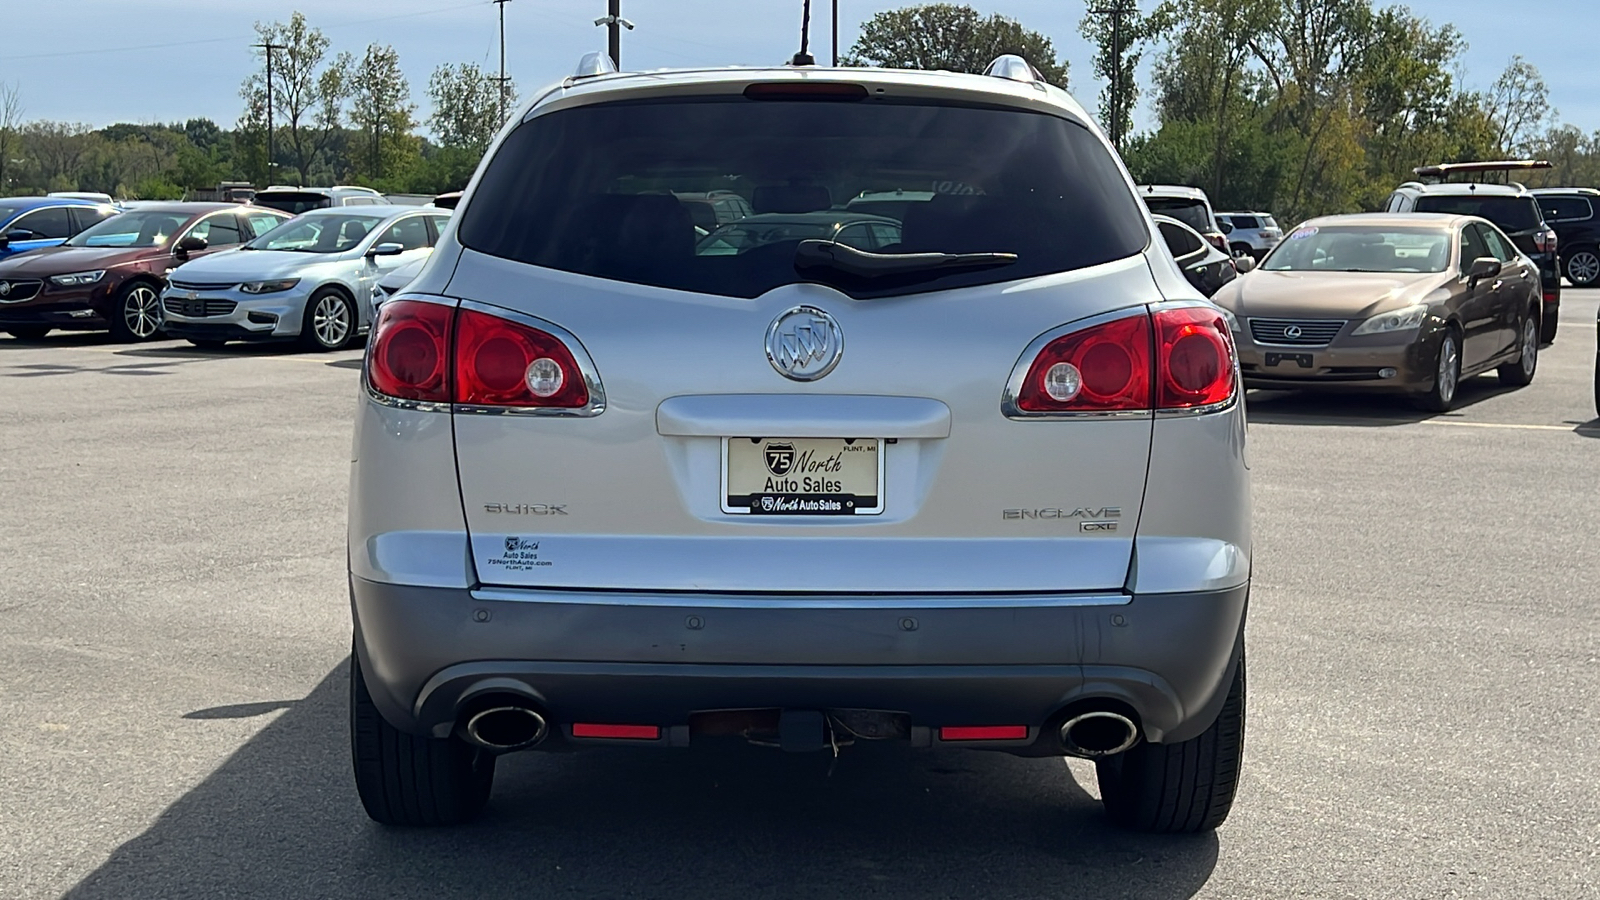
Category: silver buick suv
<point>971,475</point>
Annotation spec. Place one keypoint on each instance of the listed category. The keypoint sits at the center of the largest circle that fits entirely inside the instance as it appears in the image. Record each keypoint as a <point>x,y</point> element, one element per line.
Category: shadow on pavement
<point>280,819</point>
<point>1368,410</point>
<point>1589,429</point>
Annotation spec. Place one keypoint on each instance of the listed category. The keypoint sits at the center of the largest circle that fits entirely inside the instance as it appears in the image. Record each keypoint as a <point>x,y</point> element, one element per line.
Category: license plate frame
<point>801,504</point>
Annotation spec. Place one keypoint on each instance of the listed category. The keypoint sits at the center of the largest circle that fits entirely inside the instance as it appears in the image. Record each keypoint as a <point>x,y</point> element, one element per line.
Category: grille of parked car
<point>1295,332</point>
<point>203,285</point>
<point>19,290</point>
<point>199,308</point>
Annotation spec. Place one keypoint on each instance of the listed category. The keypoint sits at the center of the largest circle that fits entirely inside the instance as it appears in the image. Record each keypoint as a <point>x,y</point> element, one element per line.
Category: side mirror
<point>21,234</point>
<point>388,248</point>
<point>190,244</point>
<point>1483,267</point>
<point>1227,227</point>
<point>1243,264</point>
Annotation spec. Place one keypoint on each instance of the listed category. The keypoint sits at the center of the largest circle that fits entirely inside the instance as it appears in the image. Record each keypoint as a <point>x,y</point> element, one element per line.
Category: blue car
<point>29,223</point>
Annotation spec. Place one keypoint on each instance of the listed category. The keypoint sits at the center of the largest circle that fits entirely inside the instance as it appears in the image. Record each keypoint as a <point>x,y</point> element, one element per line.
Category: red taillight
<point>1176,358</point>
<point>1194,358</point>
<point>1218,241</point>
<point>436,353</point>
<point>983,733</point>
<point>1545,241</point>
<point>499,362</point>
<point>1099,369</point>
<point>623,732</point>
<point>410,351</point>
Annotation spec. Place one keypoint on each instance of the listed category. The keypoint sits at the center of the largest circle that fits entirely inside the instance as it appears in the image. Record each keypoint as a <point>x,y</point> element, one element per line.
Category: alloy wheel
<point>141,312</point>
<point>331,320</point>
<point>1449,368</point>
<point>1530,346</point>
<point>1583,267</point>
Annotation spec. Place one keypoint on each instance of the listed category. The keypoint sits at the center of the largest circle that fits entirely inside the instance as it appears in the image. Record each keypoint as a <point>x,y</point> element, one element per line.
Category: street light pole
<point>267,47</point>
<point>836,34</point>
<point>614,23</point>
<point>1116,13</point>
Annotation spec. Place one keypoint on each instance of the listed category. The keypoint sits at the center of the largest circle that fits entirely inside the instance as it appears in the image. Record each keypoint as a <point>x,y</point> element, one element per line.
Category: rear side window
<point>594,190</point>
<point>1192,213</point>
<point>1511,213</point>
<point>1566,209</point>
<point>1246,222</point>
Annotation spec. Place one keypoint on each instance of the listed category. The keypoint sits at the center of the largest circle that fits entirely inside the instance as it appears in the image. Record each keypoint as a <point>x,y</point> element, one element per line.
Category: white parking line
<point>1499,425</point>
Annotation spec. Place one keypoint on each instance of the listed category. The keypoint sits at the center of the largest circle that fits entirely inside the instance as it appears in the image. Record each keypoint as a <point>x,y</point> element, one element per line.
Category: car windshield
<point>592,190</point>
<point>1510,213</point>
<point>1361,249</point>
<point>138,228</point>
<point>1188,211</point>
<point>318,234</point>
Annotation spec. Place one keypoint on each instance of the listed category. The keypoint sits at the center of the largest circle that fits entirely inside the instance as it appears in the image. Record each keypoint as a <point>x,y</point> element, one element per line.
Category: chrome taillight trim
<point>1013,388</point>
<point>580,355</point>
<point>1019,372</point>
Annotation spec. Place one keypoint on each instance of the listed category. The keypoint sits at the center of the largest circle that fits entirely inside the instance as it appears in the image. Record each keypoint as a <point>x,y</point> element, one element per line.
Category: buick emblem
<point>804,343</point>
<point>5,288</point>
<point>193,296</point>
<point>780,458</point>
<point>1293,331</point>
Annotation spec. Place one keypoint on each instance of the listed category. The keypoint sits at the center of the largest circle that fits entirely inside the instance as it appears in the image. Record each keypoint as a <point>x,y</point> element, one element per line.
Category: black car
<point>1206,267</point>
<point>1511,206</point>
<point>1575,215</point>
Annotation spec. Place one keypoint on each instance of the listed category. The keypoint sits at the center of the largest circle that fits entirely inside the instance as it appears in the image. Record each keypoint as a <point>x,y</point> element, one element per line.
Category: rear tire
<point>1447,375</point>
<point>1583,266</point>
<point>28,332</point>
<point>136,314</point>
<point>1547,331</point>
<point>1520,373</point>
<point>1179,788</point>
<point>404,779</point>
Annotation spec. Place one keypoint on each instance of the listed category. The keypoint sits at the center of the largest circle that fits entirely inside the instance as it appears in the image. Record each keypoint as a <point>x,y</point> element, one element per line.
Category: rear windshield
<point>292,203</point>
<point>593,190</point>
<point>1190,212</point>
<point>1510,213</point>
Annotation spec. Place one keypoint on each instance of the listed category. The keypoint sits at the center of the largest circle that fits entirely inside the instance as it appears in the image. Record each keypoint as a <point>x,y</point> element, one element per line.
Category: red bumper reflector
<point>629,732</point>
<point>984,733</point>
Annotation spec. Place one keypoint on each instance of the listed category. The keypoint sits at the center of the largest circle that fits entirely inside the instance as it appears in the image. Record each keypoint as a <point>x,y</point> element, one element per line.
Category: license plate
<point>802,476</point>
<point>1303,360</point>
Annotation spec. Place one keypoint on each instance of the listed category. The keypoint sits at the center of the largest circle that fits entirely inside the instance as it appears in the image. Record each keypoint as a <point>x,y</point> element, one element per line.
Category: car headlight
<point>1399,320</point>
<point>78,279</point>
<point>268,287</point>
<point>1233,321</point>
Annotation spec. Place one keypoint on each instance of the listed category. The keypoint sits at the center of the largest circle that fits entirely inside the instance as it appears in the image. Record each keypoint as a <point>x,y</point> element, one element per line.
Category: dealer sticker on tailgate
<point>802,476</point>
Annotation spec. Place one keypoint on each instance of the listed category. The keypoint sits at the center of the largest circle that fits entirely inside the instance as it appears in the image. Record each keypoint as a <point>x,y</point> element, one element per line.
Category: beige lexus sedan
<point>1401,303</point>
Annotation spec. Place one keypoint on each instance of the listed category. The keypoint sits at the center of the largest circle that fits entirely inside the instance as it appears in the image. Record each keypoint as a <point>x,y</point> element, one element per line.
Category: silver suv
<point>983,487</point>
<point>1252,234</point>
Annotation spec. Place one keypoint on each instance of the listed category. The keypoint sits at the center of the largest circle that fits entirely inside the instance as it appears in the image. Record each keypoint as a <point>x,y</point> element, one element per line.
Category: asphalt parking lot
<point>174,634</point>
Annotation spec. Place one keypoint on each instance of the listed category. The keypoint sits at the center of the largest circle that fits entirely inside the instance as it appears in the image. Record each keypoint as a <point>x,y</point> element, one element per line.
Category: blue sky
<point>103,61</point>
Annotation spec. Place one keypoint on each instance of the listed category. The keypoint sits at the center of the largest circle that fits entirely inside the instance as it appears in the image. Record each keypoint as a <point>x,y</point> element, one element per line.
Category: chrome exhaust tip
<point>1098,733</point>
<point>505,728</point>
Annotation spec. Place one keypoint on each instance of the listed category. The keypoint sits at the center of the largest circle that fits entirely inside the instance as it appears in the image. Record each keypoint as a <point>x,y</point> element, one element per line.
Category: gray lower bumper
<point>947,661</point>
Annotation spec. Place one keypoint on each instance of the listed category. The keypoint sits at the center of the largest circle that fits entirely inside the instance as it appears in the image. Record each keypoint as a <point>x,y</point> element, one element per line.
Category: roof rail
<point>595,63</point>
<point>1014,68</point>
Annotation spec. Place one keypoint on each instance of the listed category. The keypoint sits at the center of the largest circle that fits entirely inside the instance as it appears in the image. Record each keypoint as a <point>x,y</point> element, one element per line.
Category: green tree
<point>951,37</point>
<point>381,110</point>
<point>308,91</point>
<point>10,120</point>
<point>1518,103</point>
<point>466,106</point>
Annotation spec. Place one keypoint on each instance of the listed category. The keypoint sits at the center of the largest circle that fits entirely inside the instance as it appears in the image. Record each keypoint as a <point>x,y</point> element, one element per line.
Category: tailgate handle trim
<point>802,415</point>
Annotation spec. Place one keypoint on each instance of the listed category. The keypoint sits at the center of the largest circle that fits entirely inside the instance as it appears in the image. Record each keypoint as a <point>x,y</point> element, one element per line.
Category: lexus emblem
<point>5,288</point>
<point>804,343</point>
<point>1293,331</point>
<point>780,458</point>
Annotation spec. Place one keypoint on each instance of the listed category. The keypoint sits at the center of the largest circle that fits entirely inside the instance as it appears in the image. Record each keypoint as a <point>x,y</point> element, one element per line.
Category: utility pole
<point>501,5</point>
<point>836,34</point>
<point>267,47</point>
<point>1116,12</point>
<point>614,23</point>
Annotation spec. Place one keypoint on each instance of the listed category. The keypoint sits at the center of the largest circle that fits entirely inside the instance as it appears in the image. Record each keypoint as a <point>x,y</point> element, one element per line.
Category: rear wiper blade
<point>832,256</point>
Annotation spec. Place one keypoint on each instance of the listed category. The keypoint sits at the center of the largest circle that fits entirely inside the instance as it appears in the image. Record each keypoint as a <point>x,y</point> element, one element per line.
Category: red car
<point>110,276</point>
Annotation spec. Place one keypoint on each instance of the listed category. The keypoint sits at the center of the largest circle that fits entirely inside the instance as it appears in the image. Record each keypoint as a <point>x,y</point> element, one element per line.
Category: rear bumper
<point>655,659</point>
